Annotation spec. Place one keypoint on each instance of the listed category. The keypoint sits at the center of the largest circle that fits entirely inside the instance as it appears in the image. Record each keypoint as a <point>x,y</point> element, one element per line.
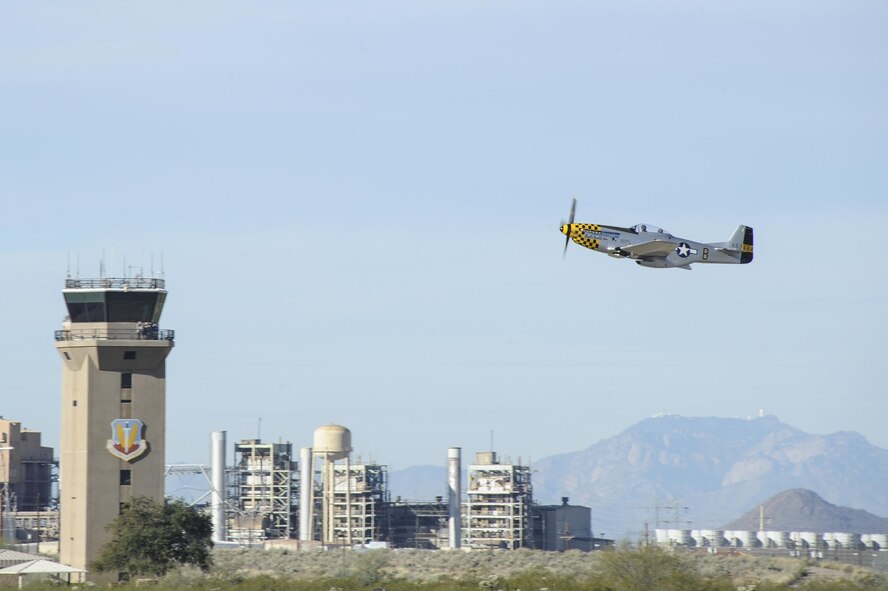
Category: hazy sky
<point>357,208</point>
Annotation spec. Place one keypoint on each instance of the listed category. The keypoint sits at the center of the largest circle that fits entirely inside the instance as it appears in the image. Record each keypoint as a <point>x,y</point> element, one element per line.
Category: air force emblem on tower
<point>126,439</point>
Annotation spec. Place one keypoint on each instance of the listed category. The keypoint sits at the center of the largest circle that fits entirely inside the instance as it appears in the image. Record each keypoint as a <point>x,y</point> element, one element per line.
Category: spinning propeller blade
<point>565,228</point>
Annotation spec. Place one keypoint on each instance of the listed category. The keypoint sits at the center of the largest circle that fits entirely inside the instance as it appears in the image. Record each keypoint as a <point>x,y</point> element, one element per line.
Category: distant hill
<point>685,472</point>
<point>803,510</point>
<point>418,483</point>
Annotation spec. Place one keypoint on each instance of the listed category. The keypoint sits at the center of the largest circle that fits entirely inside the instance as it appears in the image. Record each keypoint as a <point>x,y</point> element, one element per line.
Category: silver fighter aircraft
<point>650,246</point>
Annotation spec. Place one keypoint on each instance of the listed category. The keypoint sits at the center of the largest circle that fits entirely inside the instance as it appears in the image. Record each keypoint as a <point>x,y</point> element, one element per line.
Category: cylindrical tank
<point>662,535</point>
<point>846,540</point>
<point>879,541</point>
<point>811,539</point>
<point>697,536</point>
<point>714,538</point>
<point>332,441</point>
<point>739,538</point>
<point>778,539</point>
<point>217,498</point>
<point>680,536</point>
<point>454,495</point>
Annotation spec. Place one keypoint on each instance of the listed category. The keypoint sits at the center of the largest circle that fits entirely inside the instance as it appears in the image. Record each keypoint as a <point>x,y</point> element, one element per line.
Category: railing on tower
<point>103,334</point>
<point>116,283</point>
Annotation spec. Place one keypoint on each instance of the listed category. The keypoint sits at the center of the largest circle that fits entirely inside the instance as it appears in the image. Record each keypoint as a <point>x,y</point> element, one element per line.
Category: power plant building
<point>264,484</point>
<point>498,507</point>
<point>564,527</point>
<point>420,525</point>
<point>359,503</point>
<point>113,421</point>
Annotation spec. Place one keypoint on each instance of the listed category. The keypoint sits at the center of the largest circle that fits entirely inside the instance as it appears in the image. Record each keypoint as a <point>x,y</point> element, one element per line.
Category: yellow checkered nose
<point>565,229</point>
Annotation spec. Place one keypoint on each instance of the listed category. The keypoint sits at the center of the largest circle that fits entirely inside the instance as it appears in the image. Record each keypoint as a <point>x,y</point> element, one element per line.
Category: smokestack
<point>217,499</point>
<point>306,487</point>
<point>454,494</point>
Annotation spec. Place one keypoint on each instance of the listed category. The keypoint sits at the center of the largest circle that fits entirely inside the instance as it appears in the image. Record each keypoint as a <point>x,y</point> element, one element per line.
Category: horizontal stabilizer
<point>739,246</point>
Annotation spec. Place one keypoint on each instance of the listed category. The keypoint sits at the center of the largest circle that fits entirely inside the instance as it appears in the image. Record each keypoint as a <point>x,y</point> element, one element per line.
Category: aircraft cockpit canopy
<point>649,228</point>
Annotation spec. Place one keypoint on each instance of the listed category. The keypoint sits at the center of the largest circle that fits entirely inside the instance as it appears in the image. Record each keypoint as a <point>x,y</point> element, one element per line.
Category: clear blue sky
<point>357,205</point>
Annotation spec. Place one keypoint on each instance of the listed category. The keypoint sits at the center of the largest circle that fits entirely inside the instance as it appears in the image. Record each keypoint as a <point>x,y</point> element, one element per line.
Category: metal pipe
<point>218,498</point>
<point>454,494</point>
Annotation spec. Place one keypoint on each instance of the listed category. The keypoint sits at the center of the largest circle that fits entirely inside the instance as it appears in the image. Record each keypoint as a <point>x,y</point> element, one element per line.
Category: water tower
<point>331,443</point>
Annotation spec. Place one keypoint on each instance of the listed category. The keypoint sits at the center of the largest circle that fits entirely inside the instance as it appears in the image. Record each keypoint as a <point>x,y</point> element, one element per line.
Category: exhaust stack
<point>454,494</point>
<point>217,500</point>
<point>306,496</point>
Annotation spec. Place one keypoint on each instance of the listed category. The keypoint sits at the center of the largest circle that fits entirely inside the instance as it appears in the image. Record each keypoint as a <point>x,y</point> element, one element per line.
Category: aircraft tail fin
<point>741,242</point>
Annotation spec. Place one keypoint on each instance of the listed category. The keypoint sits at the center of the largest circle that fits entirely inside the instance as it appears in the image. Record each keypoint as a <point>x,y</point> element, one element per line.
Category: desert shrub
<point>651,568</point>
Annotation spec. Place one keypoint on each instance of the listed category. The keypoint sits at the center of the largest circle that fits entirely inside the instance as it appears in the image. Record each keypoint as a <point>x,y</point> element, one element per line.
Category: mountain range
<point>693,472</point>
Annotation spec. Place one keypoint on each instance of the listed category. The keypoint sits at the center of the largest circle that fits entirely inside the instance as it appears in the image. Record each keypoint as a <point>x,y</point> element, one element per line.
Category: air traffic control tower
<point>113,406</point>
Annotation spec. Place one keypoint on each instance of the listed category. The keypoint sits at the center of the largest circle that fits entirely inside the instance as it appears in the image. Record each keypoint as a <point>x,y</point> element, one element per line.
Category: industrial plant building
<point>498,505</point>
<point>565,527</point>
<point>263,485</point>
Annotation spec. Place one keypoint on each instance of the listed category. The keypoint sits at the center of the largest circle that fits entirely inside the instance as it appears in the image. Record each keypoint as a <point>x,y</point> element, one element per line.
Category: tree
<point>152,537</point>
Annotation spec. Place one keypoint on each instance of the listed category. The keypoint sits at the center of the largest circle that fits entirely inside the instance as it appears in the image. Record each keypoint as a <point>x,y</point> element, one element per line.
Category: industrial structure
<point>498,505</point>
<point>359,503</point>
<point>26,469</point>
<point>263,485</point>
<point>811,543</point>
<point>113,406</point>
<point>423,525</point>
<point>26,473</point>
<point>564,527</point>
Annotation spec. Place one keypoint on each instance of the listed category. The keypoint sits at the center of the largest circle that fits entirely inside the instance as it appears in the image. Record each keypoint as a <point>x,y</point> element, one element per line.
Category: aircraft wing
<point>650,249</point>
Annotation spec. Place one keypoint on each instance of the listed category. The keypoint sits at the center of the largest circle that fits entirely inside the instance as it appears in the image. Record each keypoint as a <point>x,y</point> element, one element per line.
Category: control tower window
<point>114,306</point>
<point>131,306</point>
<point>86,306</point>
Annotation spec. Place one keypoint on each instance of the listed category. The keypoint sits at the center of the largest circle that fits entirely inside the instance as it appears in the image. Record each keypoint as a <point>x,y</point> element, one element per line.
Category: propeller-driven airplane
<point>650,246</point>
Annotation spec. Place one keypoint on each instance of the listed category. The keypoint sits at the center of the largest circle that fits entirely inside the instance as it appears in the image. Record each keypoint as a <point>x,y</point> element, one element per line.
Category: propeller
<point>565,228</point>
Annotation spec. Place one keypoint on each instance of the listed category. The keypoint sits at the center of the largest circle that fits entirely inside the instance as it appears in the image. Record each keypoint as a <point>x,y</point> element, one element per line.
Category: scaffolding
<point>359,503</point>
<point>263,483</point>
<point>498,506</point>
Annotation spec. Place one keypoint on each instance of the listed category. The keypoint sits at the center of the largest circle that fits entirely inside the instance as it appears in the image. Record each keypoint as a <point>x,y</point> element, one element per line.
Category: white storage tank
<point>713,537</point>
<point>777,539</point>
<point>879,541</point>
<point>681,536</point>
<point>810,539</point>
<point>332,441</point>
<point>847,541</point>
<point>741,538</point>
